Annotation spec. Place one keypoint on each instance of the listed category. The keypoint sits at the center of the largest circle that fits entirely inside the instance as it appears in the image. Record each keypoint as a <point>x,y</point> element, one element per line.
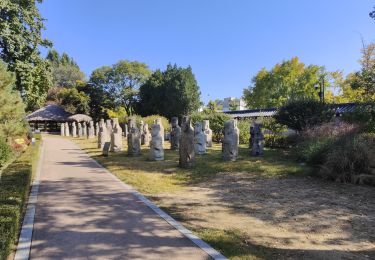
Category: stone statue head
<point>229,127</point>
<point>156,130</point>
<point>174,121</point>
<point>206,124</point>
<point>198,127</point>
<point>186,123</point>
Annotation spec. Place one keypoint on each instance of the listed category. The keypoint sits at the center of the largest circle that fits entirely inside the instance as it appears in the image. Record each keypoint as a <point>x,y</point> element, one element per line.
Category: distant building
<point>226,104</point>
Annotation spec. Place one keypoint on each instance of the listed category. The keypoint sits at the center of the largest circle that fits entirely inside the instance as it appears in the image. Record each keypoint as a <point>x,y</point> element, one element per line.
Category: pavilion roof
<point>49,113</point>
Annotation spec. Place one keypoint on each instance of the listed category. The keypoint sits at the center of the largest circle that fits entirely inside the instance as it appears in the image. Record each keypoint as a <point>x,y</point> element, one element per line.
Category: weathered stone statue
<point>74,129</point>
<point>109,126</point>
<point>175,134</point>
<point>187,153</point>
<point>116,136</point>
<point>91,130</point>
<point>79,132</point>
<point>156,148</point>
<point>199,139</point>
<point>207,132</point>
<point>230,141</point>
<point>67,132</point>
<point>62,129</point>
<point>96,128</point>
<point>126,130</point>
<point>256,140</point>
<point>134,138</point>
<point>84,129</point>
<point>158,121</point>
<point>103,134</point>
<point>146,135</point>
<point>141,129</point>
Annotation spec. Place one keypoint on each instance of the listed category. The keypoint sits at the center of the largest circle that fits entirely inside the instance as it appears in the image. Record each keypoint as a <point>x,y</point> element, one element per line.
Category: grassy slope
<point>151,178</point>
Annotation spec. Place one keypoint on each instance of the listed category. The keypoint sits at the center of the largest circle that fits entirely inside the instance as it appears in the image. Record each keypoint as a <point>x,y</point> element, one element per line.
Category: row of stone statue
<point>77,129</point>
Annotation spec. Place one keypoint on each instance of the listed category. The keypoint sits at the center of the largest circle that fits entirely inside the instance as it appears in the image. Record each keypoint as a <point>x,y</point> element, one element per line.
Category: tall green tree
<point>20,39</point>
<point>65,71</point>
<point>12,109</point>
<point>73,101</point>
<point>121,82</point>
<point>288,80</point>
<point>173,92</point>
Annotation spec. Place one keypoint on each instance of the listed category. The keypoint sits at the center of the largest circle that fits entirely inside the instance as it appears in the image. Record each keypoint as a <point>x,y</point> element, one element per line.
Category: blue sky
<point>225,41</point>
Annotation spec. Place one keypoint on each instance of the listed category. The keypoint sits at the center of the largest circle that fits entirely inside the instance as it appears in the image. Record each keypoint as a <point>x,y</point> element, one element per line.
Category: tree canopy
<point>20,39</point>
<point>173,92</point>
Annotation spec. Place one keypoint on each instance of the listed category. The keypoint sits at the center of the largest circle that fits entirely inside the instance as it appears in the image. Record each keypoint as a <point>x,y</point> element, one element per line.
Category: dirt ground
<point>300,217</point>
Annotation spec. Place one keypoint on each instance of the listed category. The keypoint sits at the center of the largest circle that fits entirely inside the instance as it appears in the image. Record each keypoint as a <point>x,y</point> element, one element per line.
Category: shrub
<point>349,157</point>
<point>330,130</point>
<point>244,127</point>
<point>280,141</point>
<point>150,120</point>
<point>217,120</point>
<point>313,151</point>
<point>5,153</point>
<point>301,114</point>
<point>363,115</point>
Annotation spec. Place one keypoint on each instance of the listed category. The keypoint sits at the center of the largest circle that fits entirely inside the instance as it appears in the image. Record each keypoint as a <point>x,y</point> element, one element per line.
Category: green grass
<point>14,188</point>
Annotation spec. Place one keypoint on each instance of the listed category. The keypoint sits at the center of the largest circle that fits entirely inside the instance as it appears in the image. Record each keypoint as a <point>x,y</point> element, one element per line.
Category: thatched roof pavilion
<point>49,113</point>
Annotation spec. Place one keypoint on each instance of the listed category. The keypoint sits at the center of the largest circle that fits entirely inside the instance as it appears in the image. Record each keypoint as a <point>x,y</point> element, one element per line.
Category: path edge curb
<point>26,235</point>
<point>186,232</point>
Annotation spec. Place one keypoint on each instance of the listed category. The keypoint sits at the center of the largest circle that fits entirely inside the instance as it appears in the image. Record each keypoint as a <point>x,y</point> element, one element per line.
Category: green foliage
<point>65,71</point>
<point>372,13</point>
<point>121,83</point>
<point>12,109</point>
<point>20,39</point>
<point>217,120</point>
<point>5,153</point>
<point>313,151</point>
<point>173,92</point>
<point>300,114</point>
<point>14,187</point>
<point>364,115</point>
<point>119,113</point>
<point>74,101</point>
<point>150,120</point>
<point>244,127</point>
<point>288,80</point>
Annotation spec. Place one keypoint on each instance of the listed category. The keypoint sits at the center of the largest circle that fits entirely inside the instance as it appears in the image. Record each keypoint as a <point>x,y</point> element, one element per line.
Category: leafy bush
<point>5,153</point>
<point>301,114</point>
<point>313,151</point>
<point>150,120</point>
<point>363,115</point>
<point>217,121</point>
<point>330,130</point>
<point>349,157</point>
<point>280,141</point>
<point>244,127</point>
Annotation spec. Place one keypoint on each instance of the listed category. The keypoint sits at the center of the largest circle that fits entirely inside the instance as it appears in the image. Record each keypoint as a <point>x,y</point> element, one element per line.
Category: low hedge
<point>5,153</point>
<point>14,188</point>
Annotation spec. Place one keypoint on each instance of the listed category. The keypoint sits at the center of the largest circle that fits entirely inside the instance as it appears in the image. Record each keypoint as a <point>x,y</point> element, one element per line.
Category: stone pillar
<point>175,134</point>
<point>74,129</point>
<point>79,131</point>
<point>256,140</point>
<point>67,131</point>
<point>126,130</point>
<point>141,124</point>
<point>62,129</point>
<point>156,148</point>
<point>84,129</point>
<point>199,139</point>
<point>146,135</point>
<point>96,128</point>
<point>116,136</point>
<point>158,121</point>
<point>91,131</point>
<point>109,126</point>
<point>187,153</point>
<point>134,138</point>
<point>207,132</point>
<point>230,141</point>
<point>102,135</point>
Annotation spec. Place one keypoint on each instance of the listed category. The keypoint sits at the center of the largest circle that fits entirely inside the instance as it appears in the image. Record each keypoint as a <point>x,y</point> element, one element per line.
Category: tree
<point>212,106</point>
<point>121,82</point>
<point>288,80</point>
<point>65,71</point>
<point>73,101</point>
<point>173,92</point>
<point>20,40</point>
<point>12,109</point>
<point>372,13</point>
<point>233,105</point>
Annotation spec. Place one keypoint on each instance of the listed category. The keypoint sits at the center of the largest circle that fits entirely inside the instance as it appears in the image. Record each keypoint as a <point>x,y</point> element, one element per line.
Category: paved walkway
<point>84,213</point>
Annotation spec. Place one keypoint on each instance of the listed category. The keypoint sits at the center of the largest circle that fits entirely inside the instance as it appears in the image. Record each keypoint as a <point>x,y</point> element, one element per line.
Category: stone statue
<point>109,126</point>
<point>207,132</point>
<point>199,139</point>
<point>126,130</point>
<point>96,128</point>
<point>158,121</point>
<point>175,134</point>
<point>67,131</point>
<point>230,141</point>
<point>103,134</point>
<point>134,138</point>
<point>156,149</point>
<point>62,129</point>
<point>91,130</point>
<point>187,153</point>
<point>84,129</point>
<point>146,135</point>
<point>141,129</point>
<point>79,132</point>
<point>74,129</point>
<point>256,140</point>
<point>116,136</point>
